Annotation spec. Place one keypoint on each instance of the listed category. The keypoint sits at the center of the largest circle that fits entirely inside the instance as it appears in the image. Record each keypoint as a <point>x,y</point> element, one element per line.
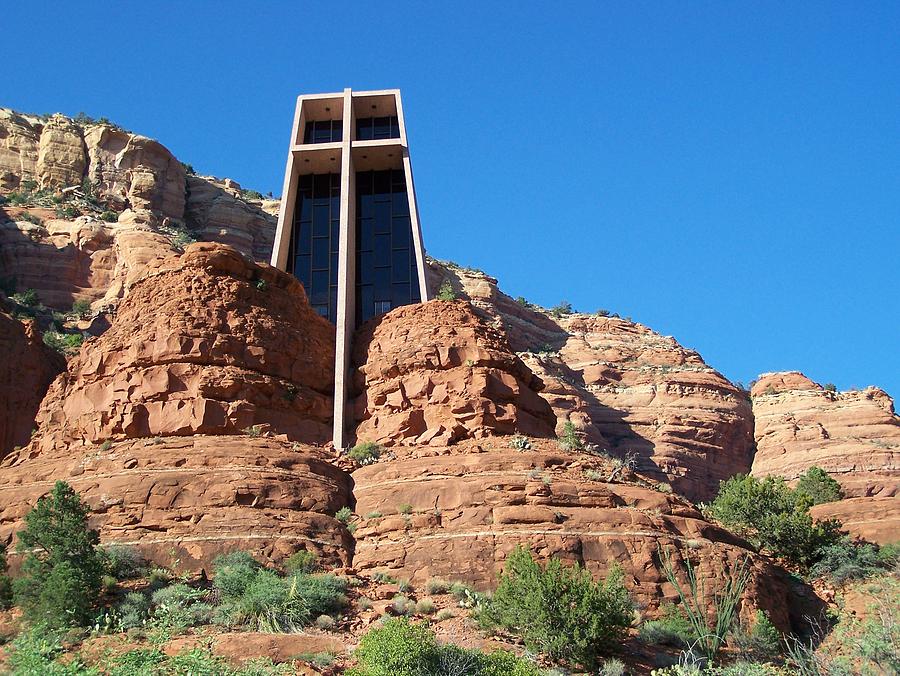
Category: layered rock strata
<point>27,367</point>
<point>162,422</point>
<point>457,512</point>
<point>157,205</point>
<point>854,436</point>
<point>628,390</point>
<point>435,373</point>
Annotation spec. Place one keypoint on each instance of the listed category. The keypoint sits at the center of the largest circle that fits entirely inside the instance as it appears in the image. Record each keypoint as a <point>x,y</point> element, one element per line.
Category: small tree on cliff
<point>62,570</point>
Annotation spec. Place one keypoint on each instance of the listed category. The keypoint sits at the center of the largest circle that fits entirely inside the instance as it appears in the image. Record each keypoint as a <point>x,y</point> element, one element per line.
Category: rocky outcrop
<point>27,367</point>
<point>206,343</point>
<point>217,214</point>
<point>629,390</point>
<point>854,436</point>
<point>435,373</point>
<point>456,512</point>
<point>155,208</point>
<point>161,422</point>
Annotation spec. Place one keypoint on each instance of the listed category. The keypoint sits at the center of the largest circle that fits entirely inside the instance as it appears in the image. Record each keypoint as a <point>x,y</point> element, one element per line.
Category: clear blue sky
<point>725,173</point>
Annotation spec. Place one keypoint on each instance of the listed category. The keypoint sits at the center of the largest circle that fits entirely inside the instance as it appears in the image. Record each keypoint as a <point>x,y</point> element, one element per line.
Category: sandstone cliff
<point>104,202</point>
<point>161,422</point>
<point>27,367</point>
<point>629,390</point>
<point>854,436</point>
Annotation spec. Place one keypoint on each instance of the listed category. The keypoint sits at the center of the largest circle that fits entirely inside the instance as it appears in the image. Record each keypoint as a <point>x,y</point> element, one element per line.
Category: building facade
<point>349,228</point>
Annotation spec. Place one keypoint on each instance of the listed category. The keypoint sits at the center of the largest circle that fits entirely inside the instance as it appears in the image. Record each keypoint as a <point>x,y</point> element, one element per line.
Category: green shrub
<point>133,611</point>
<point>323,594</point>
<point>234,572</point>
<point>710,636</point>
<point>569,439</point>
<point>774,517</point>
<point>302,561</point>
<point>124,562</point>
<point>520,443</point>
<point>365,453</point>
<point>765,639</point>
<point>849,560</point>
<point>672,628</point>
<point>64,343</point>
<point>60,577</point>
<point>437,586</point>
<point>830,387</point>
<point>561,309</point>
<point>5,583</point>
<point>67,211</point>
<point>612,667</point>
<point>180,606</point>
<point>344,514</point>
<point>405,508</point>
<point>109,216</point>
<point>397,648</point>
<point>35,653</point>
<point>81,308</point>
<point>268,604</point>
<point>818,486</point>
<point>402,648</point>
<point>28,298</point>
<point>425,607</point>
<point>325,622</point>
<point>31,218</point>
<point>559,611</point>
<point>446,292</point>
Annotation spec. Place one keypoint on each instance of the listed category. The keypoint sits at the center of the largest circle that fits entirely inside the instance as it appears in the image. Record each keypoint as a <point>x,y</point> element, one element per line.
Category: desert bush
<point>61,573</point>
<point>365,453</point>
<point>67,211</point>
<point>569,439</point>
<point>64,343</point>
<point>437,586</point>
<point>850,560</point>
<point>302,561</point>
<point>561,309</point>
<point>673,628</point>
<point>559,611</point>
<point>5,583</point>
<point>425,607</point>
<point>818,486</point>
<point>710,636</point>
<point>762,641</point>
<point>830,387</point>
<point>81,308</point>
<point>179,606</point>
<point>28,298</point>
<point>402,648</point>
<point>402,605</point>
<point>612,667</point>
<point>774,517</point>
<point>446,292</point>
<point>325,622</point>
<point>234,572</point>
<point>109,216</point>
<point>344,514</point>
<point>124,562</point>
<point>444,614</point>
<point>133,611</point>
<point>35,652</point>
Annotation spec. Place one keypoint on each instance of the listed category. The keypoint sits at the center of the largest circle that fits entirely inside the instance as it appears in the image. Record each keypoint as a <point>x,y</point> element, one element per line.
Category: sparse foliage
<point>446,292</point>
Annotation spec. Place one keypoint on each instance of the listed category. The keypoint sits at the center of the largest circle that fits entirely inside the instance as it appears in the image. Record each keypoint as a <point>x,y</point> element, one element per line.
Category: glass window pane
<point>320,255</point>
<point>366,273</point>
<point>333,277</point>
<point>399,294</point>
<point>366,206</point>
<point>302,233</point>
<point>382,249</point>
<point>400,233</point>
<point>366,232</point>
<point>318,294</point>
<point>321,221</point>
<point>400,203</point>
<point>304,212</point>
<point>382,283</point>
<point>366,302</point>
<point>400,265</point>
<point>301,269</point>
<point>322,185</point>
<point>382,182</point>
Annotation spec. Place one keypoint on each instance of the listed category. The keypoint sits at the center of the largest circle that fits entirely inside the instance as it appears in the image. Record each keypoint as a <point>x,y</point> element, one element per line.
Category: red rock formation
<point>208,344</point>
<point>854,436</point>
<point>435,373</point>
<point>628,389</point>
<point>27,367</point>
<point>457,512</point>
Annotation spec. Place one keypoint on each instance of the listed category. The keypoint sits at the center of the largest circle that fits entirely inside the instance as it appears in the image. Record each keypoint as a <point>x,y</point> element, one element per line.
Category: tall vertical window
<point>323,131</point>
<point>386,271</point>
<point>369,128</point>
<point>314,240</point>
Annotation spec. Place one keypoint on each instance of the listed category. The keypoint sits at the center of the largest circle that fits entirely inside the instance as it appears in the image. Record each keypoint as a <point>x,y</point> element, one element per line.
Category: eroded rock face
<point>188,499</point>
<point>627,389</point>
<point>206,343</point>
<point>161,422</point>
<point>216,214</point>
<point>854,436</point>
<point>27,367</point>
<point>435,373</point>
<point>458,512</point>
<point>134,177</point>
